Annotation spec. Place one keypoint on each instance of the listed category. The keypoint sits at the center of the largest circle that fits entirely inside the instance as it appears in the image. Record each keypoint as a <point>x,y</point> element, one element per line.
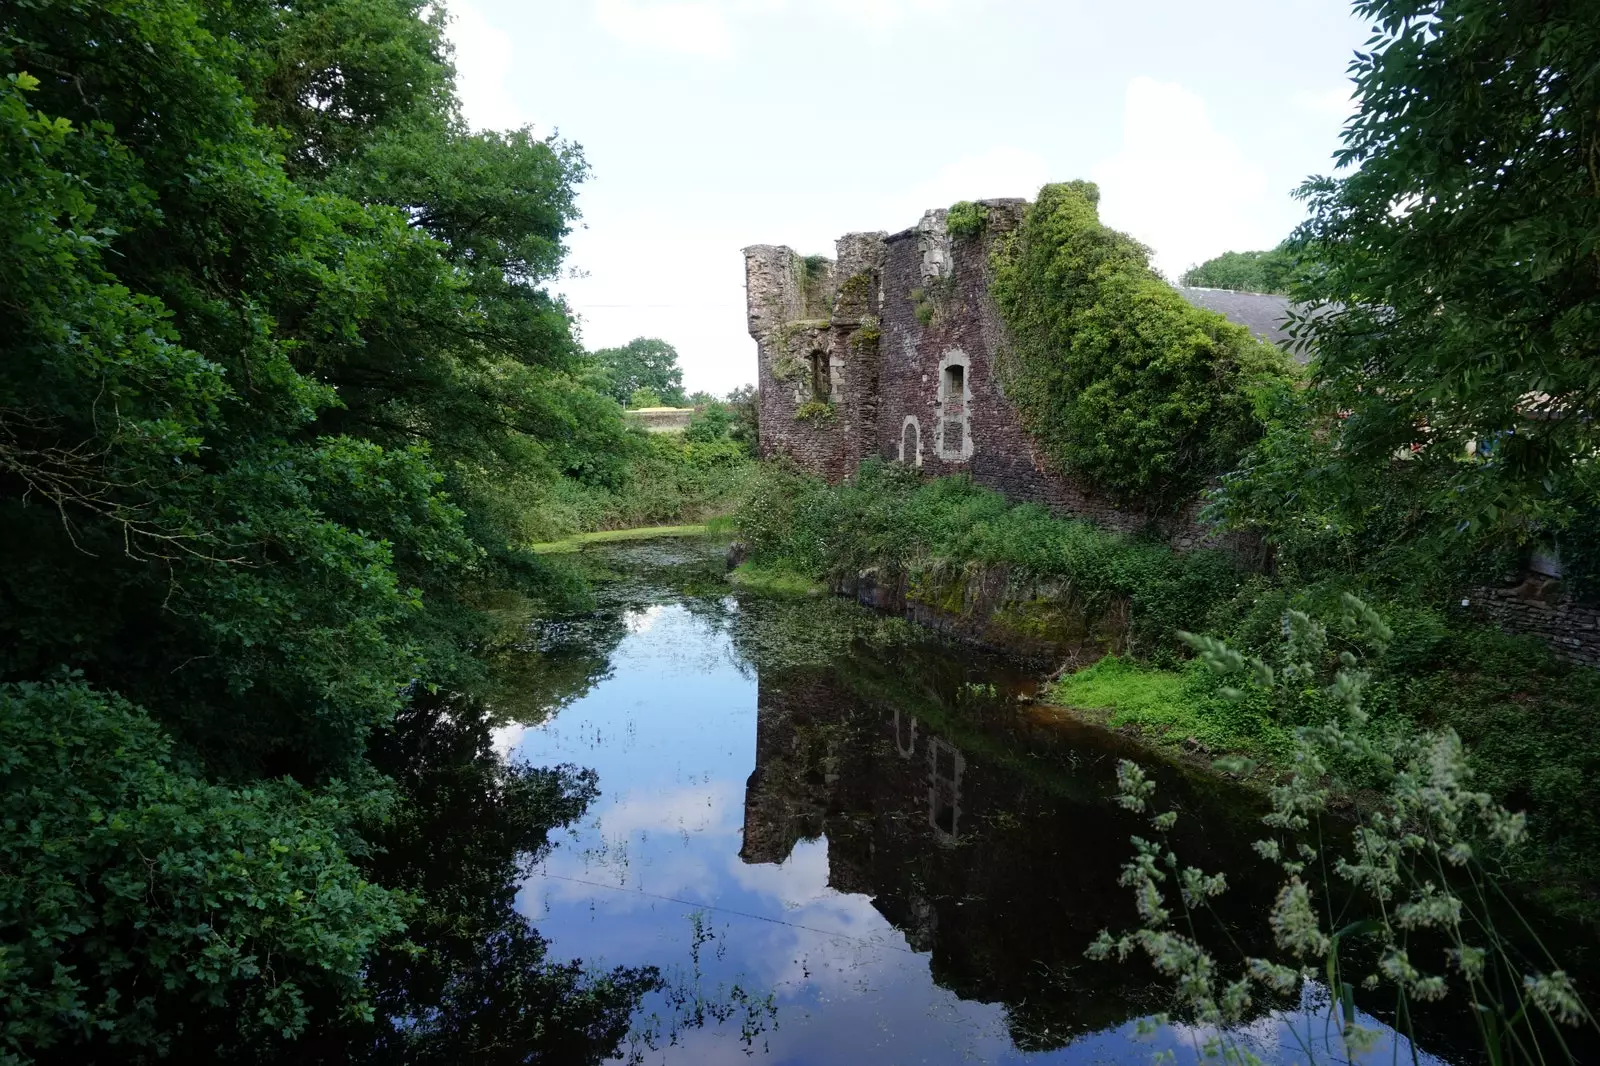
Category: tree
<point>278,369</point>
<point>644,397</point>
<point>1458,300</point>
<point>643,363</point>
<point>1268,271</point>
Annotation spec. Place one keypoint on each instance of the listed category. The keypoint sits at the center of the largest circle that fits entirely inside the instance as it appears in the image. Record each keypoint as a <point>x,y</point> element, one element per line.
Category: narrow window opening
<point>821,385</point>
<point>955,385</point>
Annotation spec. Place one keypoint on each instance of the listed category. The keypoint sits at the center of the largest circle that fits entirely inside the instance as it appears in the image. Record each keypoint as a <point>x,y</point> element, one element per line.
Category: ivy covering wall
<point>1119,379</point>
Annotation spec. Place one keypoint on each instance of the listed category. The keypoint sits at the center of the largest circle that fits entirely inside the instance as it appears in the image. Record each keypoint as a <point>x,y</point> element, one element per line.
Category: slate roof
<point>1262,313</point>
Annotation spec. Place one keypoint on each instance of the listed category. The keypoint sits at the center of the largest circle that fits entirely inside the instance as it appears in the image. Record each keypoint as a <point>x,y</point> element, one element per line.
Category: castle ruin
<point>890,350</point>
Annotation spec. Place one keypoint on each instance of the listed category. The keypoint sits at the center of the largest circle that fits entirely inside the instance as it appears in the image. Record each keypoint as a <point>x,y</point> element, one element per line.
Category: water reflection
<point>853,841</point>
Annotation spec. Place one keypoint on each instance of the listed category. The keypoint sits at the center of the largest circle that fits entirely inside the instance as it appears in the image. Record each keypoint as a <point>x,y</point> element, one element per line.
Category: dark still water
<point>845,842</point>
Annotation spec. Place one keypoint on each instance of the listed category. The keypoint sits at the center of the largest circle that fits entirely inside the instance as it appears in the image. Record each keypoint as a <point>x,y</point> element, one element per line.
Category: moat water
<point>846,842</point>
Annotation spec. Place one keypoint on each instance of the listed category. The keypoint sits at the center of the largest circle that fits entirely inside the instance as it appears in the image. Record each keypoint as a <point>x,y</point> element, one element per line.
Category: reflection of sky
<point>672,735</point>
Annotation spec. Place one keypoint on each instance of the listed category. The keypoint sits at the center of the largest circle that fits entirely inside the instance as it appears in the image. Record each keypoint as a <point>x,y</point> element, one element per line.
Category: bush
<point>669,480</point>
<point>132,887</point>
<point>1115,375</point>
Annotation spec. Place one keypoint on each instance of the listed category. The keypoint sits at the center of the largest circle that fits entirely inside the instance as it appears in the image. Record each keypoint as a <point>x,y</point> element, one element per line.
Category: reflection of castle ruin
<point>1004,874</point>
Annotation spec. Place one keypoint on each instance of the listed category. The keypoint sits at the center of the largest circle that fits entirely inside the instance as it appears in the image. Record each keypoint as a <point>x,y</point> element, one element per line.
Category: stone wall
<point>817,353</point>
<point>912,339</point>
<point>891,349</point>
<point>1536,608</point>
<point>660,419</point>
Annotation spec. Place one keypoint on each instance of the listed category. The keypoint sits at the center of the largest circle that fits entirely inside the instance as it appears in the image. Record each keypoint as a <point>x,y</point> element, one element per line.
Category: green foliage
<point>643,363</point>
<point>282,387</point>
<point>815,411</point>
<point>1116,376</point>
<point>1418,888</point>
<point>888,517</point>
<point>139,888</point>
<point>1269,271</point>
<point>669,480</point>
<point>1175,705</point>
<point>966,219</point>
<point>712,422</point>
<point>645,397</point>
<point>744,403</point>
<point>1458,295</point>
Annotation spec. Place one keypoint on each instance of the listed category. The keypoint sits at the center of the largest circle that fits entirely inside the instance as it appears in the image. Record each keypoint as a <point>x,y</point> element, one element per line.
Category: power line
<point>726,910</point>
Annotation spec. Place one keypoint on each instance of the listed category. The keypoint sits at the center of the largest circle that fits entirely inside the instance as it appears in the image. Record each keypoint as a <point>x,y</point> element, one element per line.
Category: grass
<point>775,581</point>
<point>578,540</point>
<point>1170,706</point>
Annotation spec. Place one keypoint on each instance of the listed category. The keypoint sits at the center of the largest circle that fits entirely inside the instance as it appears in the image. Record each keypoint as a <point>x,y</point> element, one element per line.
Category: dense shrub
<point>1117,377</point>
<point>670,479</point>
<point>131,887</point>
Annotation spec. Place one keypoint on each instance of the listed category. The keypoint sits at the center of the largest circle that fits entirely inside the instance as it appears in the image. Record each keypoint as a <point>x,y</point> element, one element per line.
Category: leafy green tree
<point>643,363</point>
<point>1269,271</point>
<point>1459,297</point>
<point>644,397</point>
<point>1116,376</point>
<point>280,378</point>
<point>710,423</point>
<point>745,404</point>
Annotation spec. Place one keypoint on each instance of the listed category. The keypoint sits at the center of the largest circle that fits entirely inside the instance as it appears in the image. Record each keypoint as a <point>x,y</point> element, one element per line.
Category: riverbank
<point>1109,609</point>
<point>608,536</point>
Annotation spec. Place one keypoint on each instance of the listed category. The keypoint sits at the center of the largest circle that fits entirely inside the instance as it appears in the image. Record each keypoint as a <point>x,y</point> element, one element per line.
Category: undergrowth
<point>668,481</point>
<point>1526,716</point>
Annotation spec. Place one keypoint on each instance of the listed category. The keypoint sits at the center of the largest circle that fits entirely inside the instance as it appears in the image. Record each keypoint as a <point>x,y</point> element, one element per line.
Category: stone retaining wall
<point>1536,609</point>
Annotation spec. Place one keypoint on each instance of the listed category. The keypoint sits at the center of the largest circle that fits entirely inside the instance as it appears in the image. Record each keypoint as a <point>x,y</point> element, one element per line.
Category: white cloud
<point>884,13</point>
<point>707,28</point>
<point>999,172</point>
<point>1178,184</point>
<point>483,59</point>
<point>1338,103</point>
<point>692,27</point>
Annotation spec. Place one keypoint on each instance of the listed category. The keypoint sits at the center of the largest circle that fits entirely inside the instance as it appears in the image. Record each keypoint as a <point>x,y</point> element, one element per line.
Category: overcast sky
<point>714,124</point>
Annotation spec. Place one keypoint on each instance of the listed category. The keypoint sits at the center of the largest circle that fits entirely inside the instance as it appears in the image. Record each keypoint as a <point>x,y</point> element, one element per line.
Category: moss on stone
<point>815,411</point>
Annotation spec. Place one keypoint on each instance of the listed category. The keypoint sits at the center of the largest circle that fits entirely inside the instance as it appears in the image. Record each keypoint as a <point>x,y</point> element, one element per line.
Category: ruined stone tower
<point>891,350</point>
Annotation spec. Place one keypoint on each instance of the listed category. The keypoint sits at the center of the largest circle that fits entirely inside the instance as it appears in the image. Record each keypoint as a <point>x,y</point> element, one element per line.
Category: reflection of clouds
<point>508,738</point>
<point>1281,1036</point>
<point>647,843</point>
<point>644,619</point>
<point>693,808</point>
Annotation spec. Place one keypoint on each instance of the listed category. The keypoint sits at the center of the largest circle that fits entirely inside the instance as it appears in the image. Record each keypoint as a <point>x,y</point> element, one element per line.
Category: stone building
<point>889,350</point>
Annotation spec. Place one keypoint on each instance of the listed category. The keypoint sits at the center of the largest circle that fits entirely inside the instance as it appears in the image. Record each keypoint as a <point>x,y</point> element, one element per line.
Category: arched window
<point>911,441</point>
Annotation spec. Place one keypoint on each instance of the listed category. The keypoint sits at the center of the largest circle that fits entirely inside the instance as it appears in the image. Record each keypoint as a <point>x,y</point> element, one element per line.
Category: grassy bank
<point>1526,716</point>
<point>667,481</point>
<point>607,536</point>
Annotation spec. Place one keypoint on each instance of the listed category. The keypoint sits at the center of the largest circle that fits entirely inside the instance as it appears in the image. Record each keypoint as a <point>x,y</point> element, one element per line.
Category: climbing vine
<point>1116,376</point>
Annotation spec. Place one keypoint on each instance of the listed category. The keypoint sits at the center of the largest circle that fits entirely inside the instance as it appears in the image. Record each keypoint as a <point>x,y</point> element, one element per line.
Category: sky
<point>709,125</point>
